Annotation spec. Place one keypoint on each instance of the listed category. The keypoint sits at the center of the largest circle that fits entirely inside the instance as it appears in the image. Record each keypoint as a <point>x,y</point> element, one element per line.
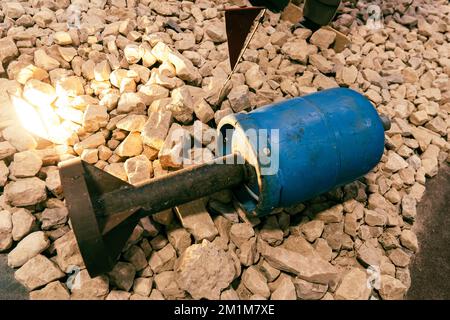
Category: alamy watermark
<point>374,277</point>
<point>374,17</point>
<point>73,16</point>
<point>73,280</point>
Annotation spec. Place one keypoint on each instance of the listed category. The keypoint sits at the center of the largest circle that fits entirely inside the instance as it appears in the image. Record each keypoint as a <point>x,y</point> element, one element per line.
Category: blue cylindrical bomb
<point>303,147</point>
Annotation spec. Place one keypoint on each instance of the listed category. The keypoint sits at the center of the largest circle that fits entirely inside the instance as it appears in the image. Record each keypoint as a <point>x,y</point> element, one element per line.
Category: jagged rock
<point>166,285</point>
<point>62,38</point>
<point>37,91</point>
<point>25,192</point>
<point>118,295</point>
<point>196,220</point>
<point>163,260</point>
<point>391,288</point>
<point>248,254</point>
<point>6,227</point>
<point>296,50</point>
<point>269,272</point>
<point>8,50</point>
<point>354,286</point>
<point>156,128</point>
<point>67,252</point>
<point>409,207</point>
<point>142,286</point>
<point>312,230</point>
<point>25,164</point>
<point>255,281</point>
<point>369,255</point>
<point>399,257</point>
<point>90,288</point>
<point>239,98</point>
<point>309,291</point>
<point>95,117</point>
<point>309,267</point>
<point>323,38</point>
<point>27,248</point>
<point>6,149</point>
<point>179,238</point>
<point>139,169</point>
<point>131,146</point>
<point>271,232</point>
<point>53,291</point>
<point>132,122</point>
<point>284,291</point>
<point>122,275</point>
<point>44,61</point>
<point>23,222</point>
<point>409,240</point>
<point>332,215</point>
<point>13,10</point>
<point>395,162</point>
<point>136,256</point>
<point>241,232</point>
<point>54,217</point>
<point>19,139</point>
<point>203,270</point>
<point>229,294</point>
<point>38,271</point>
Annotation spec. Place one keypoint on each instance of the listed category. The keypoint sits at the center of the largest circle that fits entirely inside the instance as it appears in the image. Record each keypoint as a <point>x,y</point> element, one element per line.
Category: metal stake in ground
<point>238,23</point>
<point>104,209</point>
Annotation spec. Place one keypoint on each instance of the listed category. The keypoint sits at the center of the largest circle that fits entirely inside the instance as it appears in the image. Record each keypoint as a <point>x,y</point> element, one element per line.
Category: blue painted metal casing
<point>325,140</point>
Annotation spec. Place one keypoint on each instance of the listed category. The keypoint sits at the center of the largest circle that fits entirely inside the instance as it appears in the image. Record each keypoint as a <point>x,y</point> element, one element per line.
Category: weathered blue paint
<point>326,139</point>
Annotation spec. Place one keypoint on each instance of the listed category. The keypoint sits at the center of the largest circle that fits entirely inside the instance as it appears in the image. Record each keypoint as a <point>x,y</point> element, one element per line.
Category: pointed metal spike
<point>238,24</point>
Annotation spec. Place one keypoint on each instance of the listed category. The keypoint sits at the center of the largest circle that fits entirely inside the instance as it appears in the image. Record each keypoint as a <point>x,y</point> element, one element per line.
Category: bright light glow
<point>29,117</point>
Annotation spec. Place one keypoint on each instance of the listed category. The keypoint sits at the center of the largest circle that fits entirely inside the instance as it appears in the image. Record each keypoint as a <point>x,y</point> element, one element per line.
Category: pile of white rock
<point>111,79</point>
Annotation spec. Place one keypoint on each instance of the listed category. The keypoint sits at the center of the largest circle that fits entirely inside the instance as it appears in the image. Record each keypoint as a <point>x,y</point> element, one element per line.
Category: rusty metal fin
<point>100,240</point>
<point>238,24</point>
